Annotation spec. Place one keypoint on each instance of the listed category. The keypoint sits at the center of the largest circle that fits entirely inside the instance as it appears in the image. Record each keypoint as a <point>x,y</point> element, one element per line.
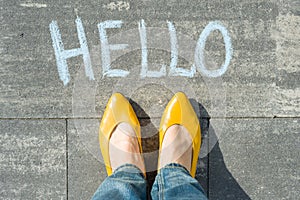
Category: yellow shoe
<point>118,110</point>
<point>180,111</point>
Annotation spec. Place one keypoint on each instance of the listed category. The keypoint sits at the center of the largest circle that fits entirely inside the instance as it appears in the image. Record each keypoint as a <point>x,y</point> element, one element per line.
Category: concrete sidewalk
<point>249,114</point>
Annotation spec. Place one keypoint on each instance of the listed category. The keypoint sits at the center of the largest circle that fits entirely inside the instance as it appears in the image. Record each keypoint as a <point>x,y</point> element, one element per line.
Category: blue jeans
<point>128,182</point>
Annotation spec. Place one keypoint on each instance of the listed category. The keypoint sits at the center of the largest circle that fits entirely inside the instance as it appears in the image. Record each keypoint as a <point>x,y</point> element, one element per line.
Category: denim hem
<point>131,168</point>
<point>175,166</point>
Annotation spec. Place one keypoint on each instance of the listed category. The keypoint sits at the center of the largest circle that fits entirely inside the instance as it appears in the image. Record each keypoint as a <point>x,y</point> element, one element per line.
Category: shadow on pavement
<point>212,173</point>
<point>150,143</point>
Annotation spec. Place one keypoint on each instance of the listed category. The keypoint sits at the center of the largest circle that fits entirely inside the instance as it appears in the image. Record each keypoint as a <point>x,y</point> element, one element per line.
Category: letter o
<point>199,57</point>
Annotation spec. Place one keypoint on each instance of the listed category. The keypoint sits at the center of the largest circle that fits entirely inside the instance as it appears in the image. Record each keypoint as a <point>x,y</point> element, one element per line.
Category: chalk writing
<point>199,52</point>
<point>105,49</point>
<point>62,55</point>
<point>144,71</point>
<point>174,70</point>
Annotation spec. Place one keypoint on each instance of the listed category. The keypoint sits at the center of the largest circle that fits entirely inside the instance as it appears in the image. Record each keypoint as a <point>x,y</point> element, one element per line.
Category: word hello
<point>62,55</point>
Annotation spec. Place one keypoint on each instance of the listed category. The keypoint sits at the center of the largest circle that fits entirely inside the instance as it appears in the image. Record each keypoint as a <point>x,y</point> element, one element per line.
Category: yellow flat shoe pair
<point>178,111</point>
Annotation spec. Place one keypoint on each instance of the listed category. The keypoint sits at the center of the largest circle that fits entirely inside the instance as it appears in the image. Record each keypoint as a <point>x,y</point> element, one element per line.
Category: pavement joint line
<point>208,155</point>
<point>67,162</point>
<point>142,118</point>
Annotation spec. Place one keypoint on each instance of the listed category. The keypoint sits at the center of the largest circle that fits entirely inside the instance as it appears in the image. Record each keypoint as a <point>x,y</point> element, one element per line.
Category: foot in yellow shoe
<point>179,114</point>
<point>124,148</point>
<point>176,147</point>
<point>120,123</point>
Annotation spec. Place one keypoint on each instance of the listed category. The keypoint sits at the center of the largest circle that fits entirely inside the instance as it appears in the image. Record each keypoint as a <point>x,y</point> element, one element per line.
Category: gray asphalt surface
<point>249,114</point>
